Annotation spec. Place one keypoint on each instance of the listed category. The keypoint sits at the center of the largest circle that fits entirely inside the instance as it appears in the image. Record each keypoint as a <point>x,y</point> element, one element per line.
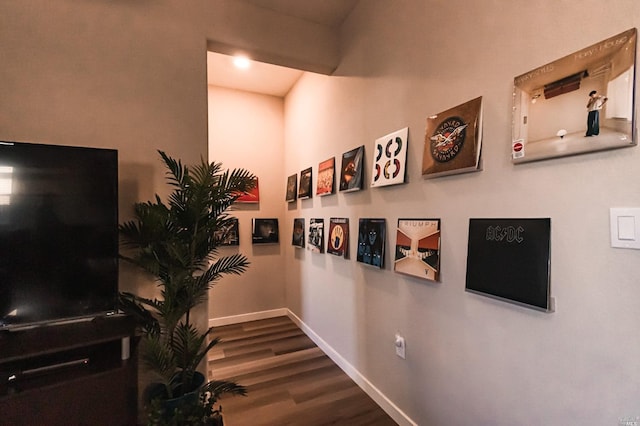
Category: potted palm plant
<point>175,243</point>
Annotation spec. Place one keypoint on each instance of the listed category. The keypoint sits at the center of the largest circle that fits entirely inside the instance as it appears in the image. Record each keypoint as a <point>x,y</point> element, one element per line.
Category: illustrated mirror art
<point>583,102</point>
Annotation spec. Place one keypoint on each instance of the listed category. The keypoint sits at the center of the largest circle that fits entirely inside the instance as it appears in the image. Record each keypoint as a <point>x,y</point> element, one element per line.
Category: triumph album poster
<point>418,248</point>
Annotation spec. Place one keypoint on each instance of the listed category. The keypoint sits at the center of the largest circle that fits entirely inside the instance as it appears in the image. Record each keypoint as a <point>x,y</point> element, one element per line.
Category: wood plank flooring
<point>290,381</point>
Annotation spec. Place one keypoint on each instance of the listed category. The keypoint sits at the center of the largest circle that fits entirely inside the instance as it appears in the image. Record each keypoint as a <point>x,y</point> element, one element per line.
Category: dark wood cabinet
<point>69,374</point>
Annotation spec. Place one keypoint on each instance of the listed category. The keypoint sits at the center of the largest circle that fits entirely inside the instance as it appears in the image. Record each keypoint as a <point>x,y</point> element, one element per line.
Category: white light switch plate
<point>625,227</point>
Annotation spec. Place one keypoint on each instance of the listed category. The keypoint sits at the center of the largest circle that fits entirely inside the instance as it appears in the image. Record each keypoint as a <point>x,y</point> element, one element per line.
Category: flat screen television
<point>509,259</point>
<point>58,233</point>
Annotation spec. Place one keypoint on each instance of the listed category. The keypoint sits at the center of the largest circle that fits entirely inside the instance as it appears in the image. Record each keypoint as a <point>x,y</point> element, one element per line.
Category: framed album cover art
<point>305,184</point>
<point>228,234</point>
<point>418,248</point>
<point>297,238</point>
<point>265,231</point>
<point>510,259</point>
<point>316,235</point>
<point>371,241</point>
<point>252,197</point>
<point>292,189</point>
<point>453,140</point>
<point>582,102</point>
<point>390,159</point>
<point>338,237</point>
<point>352,170</point>
<point>326,176</point>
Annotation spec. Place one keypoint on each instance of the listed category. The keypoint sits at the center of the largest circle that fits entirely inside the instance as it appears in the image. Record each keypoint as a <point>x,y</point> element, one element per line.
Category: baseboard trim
<point>253,316</point>
<point>385,403</point>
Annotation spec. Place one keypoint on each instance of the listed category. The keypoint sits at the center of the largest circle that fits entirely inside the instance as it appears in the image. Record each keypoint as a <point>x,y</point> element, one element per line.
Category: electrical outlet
<point>400,346</point>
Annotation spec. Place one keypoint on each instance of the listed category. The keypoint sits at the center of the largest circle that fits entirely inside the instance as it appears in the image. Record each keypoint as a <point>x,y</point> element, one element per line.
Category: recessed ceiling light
<point>241,62</point>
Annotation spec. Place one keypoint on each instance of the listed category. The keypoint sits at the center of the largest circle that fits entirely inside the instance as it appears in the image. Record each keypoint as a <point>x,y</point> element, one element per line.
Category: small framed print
<point>228,234</point>
<point>265,231</point>
<point>305,184</point>
<point>292,187</point>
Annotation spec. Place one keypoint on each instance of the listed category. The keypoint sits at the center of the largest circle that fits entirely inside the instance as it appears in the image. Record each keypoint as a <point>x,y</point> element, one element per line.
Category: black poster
<point>509,259</point>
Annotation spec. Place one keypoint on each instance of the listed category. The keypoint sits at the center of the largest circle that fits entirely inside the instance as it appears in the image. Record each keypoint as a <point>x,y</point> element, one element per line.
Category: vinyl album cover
<point>298,232</point>
<point>228,235</point>
<point>510,259</point>
<point>292,187</point>
<point>351,172</point>
<point>316,235</point>
<point>418,248</point>
<point>453,140</point>
<point>265,231</point>
<point>390,159</point>
<point>371,241</point>
<point>338,237</point>
<point>252,197</point>
<point>305,184</point>
<point>326,173</point>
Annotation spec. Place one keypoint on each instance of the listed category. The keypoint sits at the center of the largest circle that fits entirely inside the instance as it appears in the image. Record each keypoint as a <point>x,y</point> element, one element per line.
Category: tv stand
<point>69,373</point>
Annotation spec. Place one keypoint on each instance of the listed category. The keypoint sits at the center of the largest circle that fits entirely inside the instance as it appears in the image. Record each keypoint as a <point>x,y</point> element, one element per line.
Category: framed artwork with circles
<point>390,159</point>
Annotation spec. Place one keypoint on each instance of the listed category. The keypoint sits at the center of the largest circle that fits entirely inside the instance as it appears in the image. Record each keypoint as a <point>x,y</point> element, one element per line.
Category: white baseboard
<point>253,316</point>
<point>385,403</point>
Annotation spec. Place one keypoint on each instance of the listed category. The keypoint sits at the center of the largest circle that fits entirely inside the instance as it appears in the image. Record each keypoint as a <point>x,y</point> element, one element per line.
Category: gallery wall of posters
<point>326,177</point>
<point>352,170</point>
<point>390,159</point>
<point>453,140</point>
<point>371,241</point>
<point>418,248</point>
<point>292,189</point>
<point>305,184</point>
<point>228,234</point>
<point>297,238</point>
<point>316,235</point>
<point>338,237</point>
<point>265,231</point>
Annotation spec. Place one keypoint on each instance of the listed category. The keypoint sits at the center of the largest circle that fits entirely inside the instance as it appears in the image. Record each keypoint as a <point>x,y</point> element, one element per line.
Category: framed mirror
<point>580,103</point>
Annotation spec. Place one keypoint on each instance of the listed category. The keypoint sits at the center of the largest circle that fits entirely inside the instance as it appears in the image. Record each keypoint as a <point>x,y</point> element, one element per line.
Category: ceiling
<point>272,79</point>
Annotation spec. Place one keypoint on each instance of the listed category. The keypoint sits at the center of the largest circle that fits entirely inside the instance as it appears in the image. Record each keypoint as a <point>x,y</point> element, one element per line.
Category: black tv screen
<point>509,259</point>
<point>58,232</point>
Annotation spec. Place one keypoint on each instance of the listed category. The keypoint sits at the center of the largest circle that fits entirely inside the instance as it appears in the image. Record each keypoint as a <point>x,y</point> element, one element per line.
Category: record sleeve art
<point>418,248</point>
<point>265,231</point>
<point>326,176</point>
<point>305,184</point>
<point>297,238</point>
<point>228,235</point>
<point>252,197</point>
<point>316,235</point>
<point>390,159</point>
<point>351,172</point>
<point>338,237</point>
<point>292,187</point>
<point>371,242</point>
<point>453,140</point>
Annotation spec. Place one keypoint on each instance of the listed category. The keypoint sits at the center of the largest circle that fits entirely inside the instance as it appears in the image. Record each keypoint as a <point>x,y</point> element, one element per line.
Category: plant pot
<point>168,406</point>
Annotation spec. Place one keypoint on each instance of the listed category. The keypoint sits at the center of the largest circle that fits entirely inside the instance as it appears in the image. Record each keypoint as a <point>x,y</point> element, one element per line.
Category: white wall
<point>470,360</point>
<point>246,130</point>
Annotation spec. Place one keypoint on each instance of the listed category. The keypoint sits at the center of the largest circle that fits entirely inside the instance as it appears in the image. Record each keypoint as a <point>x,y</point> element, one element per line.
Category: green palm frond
<point>173,240</point>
